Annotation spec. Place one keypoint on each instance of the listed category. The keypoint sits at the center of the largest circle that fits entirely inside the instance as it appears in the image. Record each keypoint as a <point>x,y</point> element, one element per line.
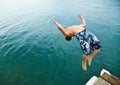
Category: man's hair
<point>68,38</point>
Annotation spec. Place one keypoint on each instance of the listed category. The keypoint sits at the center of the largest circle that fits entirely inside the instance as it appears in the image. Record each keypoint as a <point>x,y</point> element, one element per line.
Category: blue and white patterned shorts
<point>88,42</point>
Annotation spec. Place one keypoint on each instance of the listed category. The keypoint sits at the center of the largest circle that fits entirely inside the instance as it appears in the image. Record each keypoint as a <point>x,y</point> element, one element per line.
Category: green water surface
<point>34,52</point>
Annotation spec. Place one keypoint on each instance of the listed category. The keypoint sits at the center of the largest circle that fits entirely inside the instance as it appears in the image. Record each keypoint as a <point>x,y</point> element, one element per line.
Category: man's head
<point>68,38</point>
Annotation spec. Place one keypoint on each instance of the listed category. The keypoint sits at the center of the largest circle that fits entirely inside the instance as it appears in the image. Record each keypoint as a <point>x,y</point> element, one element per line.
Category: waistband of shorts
<point>79,33</point>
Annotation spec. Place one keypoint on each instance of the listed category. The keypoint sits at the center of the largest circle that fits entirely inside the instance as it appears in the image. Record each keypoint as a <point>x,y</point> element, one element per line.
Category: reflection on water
<point>33,51</point>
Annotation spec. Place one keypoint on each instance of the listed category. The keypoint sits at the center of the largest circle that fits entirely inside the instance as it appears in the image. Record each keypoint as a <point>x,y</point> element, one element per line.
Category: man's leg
<point>91,56</point>
<point>84,62</point>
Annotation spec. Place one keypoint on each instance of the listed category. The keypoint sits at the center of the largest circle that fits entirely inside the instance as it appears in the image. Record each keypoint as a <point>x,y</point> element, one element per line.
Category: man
<point>89,43</point>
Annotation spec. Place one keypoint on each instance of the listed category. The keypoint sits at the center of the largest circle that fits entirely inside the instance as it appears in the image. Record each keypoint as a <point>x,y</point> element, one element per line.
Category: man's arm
<point>83,20</point>
<point>60,27</point>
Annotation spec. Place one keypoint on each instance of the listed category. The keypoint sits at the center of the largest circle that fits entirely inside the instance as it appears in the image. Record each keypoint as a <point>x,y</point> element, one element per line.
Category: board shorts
<point>88,42</point>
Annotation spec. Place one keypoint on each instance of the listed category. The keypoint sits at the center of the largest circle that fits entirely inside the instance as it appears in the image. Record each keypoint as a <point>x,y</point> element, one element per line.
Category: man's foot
<point>84,66</point>
<point>89,61</point>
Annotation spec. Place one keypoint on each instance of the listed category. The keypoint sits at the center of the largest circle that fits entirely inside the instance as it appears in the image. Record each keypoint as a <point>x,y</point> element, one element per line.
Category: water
<point>34,52</point>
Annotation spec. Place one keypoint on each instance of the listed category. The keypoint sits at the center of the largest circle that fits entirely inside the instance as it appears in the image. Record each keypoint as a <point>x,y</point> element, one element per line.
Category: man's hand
<point>83,20</point>
<point>54,21</point>
<point>80,16</point>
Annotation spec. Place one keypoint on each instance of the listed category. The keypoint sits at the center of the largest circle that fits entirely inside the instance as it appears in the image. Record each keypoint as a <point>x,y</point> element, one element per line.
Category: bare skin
<point>89,58</point>
<point>71,31</point>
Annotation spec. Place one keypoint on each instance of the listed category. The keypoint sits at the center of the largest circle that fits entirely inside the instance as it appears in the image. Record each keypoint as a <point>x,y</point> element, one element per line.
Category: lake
<point>34,52</point>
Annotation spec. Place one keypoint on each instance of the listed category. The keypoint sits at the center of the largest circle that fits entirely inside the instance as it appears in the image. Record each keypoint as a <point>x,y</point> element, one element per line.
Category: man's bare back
<point>71,30</point>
